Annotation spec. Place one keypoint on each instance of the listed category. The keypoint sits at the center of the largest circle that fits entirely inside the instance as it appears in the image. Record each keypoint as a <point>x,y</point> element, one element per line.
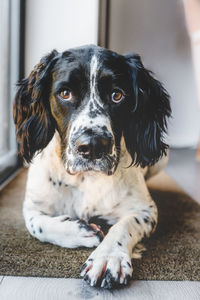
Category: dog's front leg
<point>110,263</point>
<point>61,230</point>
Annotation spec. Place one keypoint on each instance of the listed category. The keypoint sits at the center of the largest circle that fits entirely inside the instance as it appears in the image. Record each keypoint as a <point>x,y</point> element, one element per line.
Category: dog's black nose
<point>93,147</point>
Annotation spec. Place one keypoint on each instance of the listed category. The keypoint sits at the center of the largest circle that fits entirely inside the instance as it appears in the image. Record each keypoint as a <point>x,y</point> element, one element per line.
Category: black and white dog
<point>96,121</point>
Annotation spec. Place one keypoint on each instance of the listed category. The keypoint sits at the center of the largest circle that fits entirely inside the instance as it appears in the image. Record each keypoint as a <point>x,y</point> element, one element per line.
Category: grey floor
<point>186,172</point>
<point>19,288</point>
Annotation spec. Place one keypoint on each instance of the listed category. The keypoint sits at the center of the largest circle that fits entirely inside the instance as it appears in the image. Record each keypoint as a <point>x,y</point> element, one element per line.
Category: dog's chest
<point>94,195</point>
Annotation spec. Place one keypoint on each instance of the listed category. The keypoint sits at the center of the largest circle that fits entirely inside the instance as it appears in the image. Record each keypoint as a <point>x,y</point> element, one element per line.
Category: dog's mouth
<point>107,165</point>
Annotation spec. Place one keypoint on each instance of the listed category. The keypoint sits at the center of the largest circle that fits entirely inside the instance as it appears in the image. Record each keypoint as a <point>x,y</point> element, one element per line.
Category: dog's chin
<point>90,167</point>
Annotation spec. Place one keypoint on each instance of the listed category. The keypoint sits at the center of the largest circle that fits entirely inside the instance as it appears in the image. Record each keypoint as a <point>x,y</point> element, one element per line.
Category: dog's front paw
<point>108,268</point>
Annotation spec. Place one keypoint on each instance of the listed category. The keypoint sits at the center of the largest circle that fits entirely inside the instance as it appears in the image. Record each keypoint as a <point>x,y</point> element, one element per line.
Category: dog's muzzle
<point>92,151</point>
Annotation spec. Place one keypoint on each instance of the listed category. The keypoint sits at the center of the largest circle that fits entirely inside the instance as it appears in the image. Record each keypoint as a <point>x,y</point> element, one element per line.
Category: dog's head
<point>92,97</point>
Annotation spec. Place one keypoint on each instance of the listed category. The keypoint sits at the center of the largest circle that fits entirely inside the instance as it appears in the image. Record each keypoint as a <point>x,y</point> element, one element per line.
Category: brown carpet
<point>173,252</point>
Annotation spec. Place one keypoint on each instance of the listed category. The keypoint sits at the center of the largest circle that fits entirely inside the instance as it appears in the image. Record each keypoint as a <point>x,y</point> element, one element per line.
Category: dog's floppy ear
<point>35,125</point>
<point>146,123</point>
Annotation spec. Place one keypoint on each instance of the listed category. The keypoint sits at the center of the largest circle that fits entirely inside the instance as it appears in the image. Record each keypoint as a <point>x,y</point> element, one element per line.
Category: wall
<point>156,30</point>
<point>58,24</point>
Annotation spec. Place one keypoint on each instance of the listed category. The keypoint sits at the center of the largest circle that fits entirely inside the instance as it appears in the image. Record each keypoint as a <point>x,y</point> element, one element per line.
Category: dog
<point>92,124</point>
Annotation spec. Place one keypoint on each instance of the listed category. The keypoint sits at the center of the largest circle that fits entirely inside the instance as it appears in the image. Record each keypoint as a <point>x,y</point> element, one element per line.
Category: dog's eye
<point>117,96</point>
<point>66,94</point>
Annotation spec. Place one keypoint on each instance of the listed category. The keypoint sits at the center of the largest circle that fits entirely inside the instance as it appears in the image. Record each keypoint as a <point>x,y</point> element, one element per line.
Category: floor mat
<point>173,251</point>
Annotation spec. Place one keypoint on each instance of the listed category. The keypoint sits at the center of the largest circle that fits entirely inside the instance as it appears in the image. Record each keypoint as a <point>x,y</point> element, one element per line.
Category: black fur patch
<point>35,125</point>
<point>83,224</point>
<point>136,219</point>
<point>153,223</point>
<point>86,226</point>
<point>127,279</point>
<point>66,219</point>
<point>99,220</point>
<point>146,219</point>
<point>87,279</point>
<point>83,267</point>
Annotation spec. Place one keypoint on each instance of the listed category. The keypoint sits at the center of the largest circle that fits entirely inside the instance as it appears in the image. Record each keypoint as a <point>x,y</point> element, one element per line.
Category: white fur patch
<point>93,81</point>
<point>93,74</point>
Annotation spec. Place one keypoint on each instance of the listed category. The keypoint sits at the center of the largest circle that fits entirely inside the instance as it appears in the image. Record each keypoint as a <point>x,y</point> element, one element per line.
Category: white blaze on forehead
<point>93,75</point>
<point>94,67</point>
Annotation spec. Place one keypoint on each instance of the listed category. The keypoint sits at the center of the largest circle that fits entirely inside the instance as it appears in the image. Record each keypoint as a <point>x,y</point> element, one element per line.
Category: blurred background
<point>165,33</point>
